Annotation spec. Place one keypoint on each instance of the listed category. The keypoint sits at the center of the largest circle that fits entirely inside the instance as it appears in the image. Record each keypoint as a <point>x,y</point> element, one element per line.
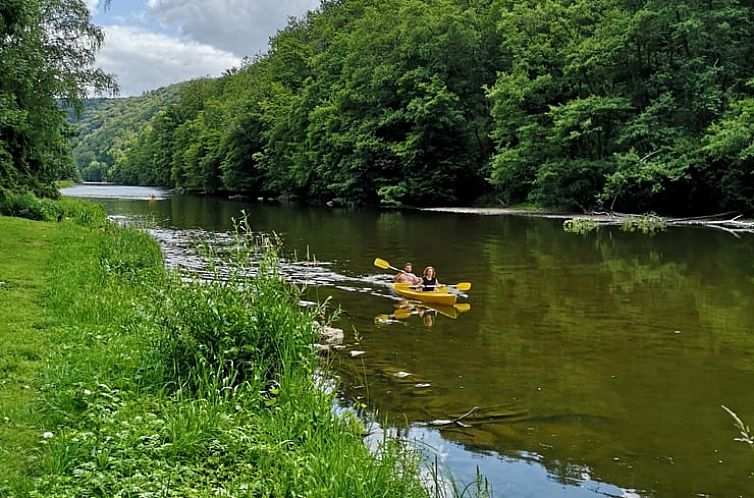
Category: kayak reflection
<point>405,309</point>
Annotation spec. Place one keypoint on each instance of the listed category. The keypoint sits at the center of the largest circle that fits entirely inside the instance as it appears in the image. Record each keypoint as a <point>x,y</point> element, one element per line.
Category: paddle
<point>454,288</point>
<point>381,263</point>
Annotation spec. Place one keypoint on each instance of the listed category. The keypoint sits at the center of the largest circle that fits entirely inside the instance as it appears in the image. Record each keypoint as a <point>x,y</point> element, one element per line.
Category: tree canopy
<point>574,104</point>
<point>47,52</point>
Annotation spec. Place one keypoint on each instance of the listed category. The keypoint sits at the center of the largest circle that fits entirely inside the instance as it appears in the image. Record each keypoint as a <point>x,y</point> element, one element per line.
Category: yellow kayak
<point>440,295</point>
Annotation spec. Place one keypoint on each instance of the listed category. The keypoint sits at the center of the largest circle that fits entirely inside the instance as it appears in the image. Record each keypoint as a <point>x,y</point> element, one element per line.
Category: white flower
<point>47,435</point>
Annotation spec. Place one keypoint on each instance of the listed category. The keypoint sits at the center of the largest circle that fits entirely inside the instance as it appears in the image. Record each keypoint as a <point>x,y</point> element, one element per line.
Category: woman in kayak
<point>429,279</point>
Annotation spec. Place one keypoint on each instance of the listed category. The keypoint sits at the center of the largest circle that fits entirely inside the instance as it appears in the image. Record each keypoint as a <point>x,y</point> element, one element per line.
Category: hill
<point>106,127</point>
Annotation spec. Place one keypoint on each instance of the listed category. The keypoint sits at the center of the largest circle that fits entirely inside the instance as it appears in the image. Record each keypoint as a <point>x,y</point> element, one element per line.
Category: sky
<point>153,43</point>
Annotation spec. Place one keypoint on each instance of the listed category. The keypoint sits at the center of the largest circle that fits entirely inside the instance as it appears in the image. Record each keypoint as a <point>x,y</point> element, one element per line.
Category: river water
<point>597,364</point>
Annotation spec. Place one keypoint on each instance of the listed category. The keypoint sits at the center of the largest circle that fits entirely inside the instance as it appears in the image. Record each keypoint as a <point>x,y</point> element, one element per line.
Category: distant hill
<point>106,124</point>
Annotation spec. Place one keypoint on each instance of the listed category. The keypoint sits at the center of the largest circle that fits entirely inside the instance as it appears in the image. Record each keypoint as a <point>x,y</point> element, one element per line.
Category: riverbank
<point>117,377</point>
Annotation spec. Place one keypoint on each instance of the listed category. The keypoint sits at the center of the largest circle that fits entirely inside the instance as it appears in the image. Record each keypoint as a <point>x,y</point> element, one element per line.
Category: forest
<point>47,54</point>
<point>626,105</point>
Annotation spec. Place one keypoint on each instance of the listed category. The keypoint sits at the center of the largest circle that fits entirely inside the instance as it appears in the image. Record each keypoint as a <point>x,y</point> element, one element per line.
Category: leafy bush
<point>22,205</point>
<point>27,205</point>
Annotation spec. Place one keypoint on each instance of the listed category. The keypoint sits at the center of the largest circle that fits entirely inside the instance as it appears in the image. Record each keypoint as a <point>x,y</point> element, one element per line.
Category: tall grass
<point>163,386</point>
<point>234,331</point>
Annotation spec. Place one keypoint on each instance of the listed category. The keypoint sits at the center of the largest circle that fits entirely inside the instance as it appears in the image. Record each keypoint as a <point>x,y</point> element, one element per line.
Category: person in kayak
<point>407,276</point>
<point>429,279</point>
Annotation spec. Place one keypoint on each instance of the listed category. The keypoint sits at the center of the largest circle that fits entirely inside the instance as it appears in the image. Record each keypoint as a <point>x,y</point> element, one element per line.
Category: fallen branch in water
<point>456,421</point>
<point>651,223</point>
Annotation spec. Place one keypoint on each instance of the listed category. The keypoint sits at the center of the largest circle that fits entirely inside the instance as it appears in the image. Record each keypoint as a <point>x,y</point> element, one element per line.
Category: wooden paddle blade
<point>381,263</point>
<point>463,286</point>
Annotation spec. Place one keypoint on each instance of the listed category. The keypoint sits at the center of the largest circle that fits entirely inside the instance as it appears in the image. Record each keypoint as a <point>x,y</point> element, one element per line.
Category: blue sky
<point>133,13</point>
<point>153,43</point>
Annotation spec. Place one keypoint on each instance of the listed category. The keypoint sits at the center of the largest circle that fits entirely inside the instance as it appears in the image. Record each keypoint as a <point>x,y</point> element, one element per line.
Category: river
<point>598,364</point>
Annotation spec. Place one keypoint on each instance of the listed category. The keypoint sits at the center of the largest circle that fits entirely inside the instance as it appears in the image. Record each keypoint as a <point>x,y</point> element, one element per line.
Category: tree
<point>47,51</point>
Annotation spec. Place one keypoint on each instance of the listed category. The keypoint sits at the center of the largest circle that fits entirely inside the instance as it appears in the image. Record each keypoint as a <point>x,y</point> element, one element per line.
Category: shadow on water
<point>590,359</point>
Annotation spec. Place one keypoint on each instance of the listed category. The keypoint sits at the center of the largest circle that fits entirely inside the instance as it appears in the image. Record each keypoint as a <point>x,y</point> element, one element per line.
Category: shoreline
<point>136,376</point>
<point>494,211</point>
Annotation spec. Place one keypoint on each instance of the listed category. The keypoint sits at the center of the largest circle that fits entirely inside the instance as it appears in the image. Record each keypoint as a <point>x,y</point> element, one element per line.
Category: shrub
<point>27,205</point>
<point>648,224</point>
<point>22,205</point>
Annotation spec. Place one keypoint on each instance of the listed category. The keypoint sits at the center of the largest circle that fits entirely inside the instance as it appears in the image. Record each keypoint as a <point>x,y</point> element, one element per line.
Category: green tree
<point>619,104</point>
<point>47,51</point>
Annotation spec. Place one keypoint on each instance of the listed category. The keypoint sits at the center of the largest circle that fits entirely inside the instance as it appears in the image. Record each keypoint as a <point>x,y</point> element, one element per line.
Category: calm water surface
<point>597,363</point>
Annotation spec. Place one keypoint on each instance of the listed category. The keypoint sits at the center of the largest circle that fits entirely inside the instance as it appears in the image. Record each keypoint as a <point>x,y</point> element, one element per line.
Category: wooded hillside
<point>574,104</point>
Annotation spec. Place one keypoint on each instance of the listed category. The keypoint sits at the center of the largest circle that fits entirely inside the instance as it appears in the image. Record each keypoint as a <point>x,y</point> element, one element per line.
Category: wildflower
<point>47,435</point>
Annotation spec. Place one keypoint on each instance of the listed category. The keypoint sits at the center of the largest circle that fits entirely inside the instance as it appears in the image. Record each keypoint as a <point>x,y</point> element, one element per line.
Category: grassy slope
<point>137,376</point>
<point>25,248</point>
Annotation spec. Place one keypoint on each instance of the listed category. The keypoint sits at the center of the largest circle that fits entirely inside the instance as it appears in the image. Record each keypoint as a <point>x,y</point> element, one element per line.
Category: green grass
<point>25,248</point>
<point>151,385</point>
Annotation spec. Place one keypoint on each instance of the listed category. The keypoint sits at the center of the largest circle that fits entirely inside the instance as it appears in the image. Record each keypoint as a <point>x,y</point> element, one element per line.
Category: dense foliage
<point>47,50</point>
<point>27,205</point>
<point>635,105</point>
<point>622,104</point>
<point>107,126</point>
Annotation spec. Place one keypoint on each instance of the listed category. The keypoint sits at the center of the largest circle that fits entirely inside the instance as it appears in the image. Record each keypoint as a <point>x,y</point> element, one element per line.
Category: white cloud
<point>143,60</point>
<point>242,27</point>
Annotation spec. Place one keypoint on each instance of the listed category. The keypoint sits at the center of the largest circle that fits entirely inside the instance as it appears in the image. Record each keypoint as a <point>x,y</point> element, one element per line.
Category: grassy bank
<point>25,248</point>
<point>119,379</point>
